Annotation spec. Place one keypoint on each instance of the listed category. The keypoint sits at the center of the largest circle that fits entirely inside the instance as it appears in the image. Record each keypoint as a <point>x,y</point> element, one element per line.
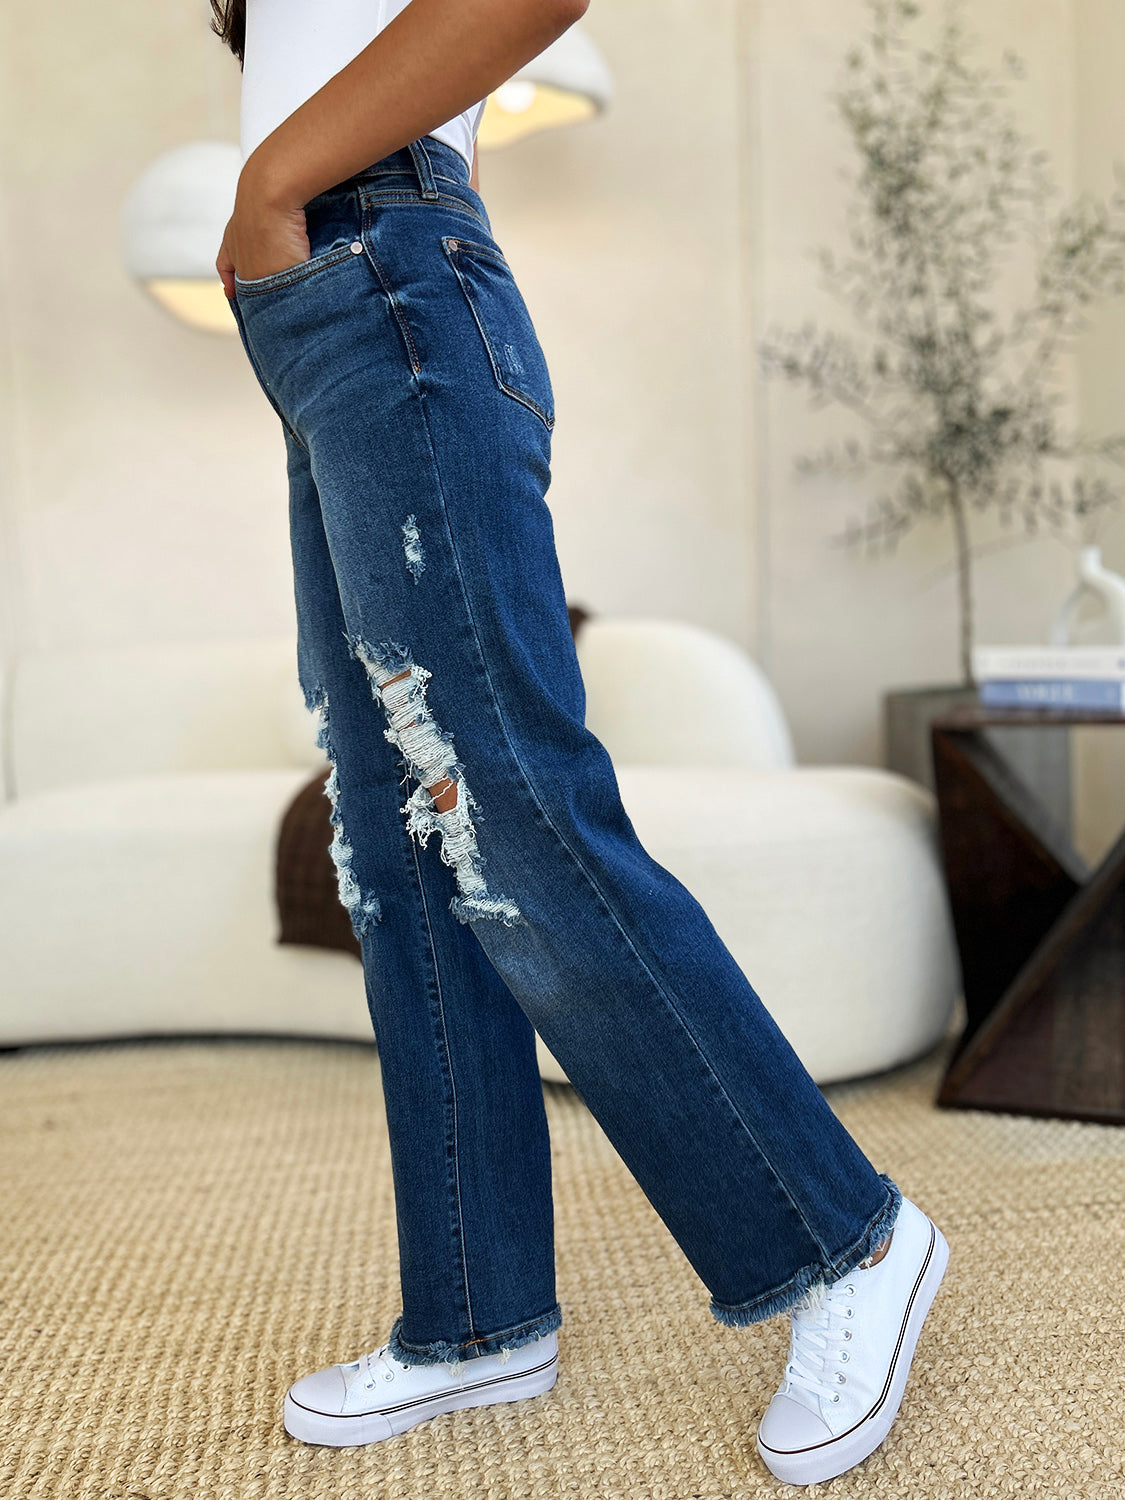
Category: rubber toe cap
<point>324,1391</point>
<point>787,1426</point>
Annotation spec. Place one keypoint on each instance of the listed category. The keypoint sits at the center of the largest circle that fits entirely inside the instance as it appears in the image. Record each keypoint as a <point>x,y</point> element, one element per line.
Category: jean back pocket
<point>505,324</point>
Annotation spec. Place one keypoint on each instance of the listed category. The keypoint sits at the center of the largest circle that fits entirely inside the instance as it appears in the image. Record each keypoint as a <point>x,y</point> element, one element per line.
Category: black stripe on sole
<point>384,1411</point>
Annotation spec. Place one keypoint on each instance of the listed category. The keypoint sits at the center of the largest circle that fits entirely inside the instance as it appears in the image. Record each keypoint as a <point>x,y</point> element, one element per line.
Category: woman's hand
<point>261,238</point>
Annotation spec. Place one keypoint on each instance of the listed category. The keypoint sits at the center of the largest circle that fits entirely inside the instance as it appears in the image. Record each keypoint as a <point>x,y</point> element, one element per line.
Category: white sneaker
<point>376,1397</point>
<point>850,1350</point>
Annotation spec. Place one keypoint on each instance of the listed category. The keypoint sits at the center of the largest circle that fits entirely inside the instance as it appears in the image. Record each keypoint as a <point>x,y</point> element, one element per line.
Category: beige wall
<point>142,485</point>
<point>1100,148</point>
<point>145,492</point>
<point>625,235</point>
<point>146,495</point>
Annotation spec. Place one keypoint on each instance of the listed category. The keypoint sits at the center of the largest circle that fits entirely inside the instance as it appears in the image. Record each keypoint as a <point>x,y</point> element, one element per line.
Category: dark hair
<point>229,23</point>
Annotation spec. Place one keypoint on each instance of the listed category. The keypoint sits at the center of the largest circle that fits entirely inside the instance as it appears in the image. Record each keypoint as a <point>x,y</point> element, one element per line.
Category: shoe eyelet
<point>850,1289</point>
<point>369,1385</point>
<point>390,1375</point>
<point>841,1379</point>
<point>850,1313</point>
<point>847,1335</point>
<point>836,1398</point>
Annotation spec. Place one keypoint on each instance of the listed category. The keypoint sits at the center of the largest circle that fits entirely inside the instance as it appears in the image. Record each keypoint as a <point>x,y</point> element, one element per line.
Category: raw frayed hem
<point>819,1274</point>
<point>456,1354</point>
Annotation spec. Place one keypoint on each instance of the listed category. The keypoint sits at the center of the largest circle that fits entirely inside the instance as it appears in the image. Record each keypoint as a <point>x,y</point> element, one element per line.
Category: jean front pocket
<point>505,324</point>
<point>300,272</point>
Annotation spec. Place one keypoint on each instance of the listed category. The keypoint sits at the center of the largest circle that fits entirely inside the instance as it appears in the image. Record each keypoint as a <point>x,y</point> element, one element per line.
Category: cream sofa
<point>145,786</point>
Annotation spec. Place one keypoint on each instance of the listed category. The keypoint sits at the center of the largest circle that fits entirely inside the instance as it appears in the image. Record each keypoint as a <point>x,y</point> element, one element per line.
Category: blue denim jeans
<point>435,647</point>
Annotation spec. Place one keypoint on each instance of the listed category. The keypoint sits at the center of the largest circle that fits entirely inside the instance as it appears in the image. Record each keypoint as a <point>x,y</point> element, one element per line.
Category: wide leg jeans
<point>434,646</point>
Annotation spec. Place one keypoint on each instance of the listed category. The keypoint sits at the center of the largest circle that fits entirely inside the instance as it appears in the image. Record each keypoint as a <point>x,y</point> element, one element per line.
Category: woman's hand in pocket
<point>260,239</point>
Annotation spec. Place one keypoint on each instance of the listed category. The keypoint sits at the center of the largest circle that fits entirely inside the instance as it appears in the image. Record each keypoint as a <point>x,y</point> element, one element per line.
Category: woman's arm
<point>435,59</point>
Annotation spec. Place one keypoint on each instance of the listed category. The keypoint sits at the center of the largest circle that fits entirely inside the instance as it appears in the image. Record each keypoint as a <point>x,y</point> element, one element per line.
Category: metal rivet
<point>357,247</point>
<point>453,245</point>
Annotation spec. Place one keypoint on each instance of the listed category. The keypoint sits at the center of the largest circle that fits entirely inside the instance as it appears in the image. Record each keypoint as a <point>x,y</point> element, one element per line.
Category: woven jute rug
<point>187,1226</point>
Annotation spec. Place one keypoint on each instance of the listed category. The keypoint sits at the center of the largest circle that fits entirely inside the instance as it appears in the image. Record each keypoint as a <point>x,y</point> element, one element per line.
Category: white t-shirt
<point>293,47</point>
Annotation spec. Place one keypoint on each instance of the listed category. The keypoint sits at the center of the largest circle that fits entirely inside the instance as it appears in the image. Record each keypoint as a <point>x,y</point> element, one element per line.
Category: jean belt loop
<point>423,168</point>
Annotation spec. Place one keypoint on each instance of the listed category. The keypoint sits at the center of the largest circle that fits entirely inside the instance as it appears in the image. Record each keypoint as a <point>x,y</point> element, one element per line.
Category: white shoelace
<point>381,1365</point>
<point>820,1329</point>
<point>372,1367</point>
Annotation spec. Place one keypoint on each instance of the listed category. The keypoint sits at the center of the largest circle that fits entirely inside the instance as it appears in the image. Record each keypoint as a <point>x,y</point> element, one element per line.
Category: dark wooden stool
<point>1041,937</point>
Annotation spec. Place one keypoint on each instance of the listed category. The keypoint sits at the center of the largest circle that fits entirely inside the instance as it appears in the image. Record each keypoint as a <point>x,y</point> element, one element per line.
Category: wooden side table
<point>1041,937</point>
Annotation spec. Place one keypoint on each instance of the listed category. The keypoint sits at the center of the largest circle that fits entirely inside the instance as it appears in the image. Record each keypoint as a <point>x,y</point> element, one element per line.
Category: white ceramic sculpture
<point>1101,582</point>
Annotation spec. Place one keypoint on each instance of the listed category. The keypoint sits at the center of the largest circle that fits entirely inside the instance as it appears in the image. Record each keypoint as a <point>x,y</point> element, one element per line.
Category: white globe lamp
<point>172,225</point>
<point>568,82</point>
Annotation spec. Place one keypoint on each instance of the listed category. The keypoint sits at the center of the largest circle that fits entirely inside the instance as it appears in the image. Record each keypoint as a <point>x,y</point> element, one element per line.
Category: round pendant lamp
<point>568,82</point>
<point>172,226</point>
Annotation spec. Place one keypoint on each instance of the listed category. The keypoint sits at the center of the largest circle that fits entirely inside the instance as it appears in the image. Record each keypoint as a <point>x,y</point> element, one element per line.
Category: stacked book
<point>1086,677</point>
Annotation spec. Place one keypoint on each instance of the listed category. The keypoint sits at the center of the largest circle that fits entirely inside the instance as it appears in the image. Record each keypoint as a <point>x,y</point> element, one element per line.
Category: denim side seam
<point>389,292</point>
<point>782,1298</point>
<point>441,1352</point>
<point>453,1152</point>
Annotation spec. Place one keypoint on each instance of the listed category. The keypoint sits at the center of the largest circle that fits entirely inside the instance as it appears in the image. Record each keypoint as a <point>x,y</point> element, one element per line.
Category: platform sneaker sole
<point>355,1430</point>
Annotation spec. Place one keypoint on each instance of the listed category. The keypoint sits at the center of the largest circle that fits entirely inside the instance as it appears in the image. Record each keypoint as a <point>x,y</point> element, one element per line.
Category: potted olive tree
<point>958,401</point>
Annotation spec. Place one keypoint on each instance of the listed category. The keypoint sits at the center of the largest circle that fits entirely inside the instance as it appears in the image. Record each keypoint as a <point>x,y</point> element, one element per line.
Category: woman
<point>383,324</point>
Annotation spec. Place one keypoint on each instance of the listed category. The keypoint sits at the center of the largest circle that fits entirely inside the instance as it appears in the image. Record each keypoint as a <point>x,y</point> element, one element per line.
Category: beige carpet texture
<point>189,1225</point>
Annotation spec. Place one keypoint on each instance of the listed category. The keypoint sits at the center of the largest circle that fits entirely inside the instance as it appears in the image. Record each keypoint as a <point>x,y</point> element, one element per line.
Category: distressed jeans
<point>435,647</point>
